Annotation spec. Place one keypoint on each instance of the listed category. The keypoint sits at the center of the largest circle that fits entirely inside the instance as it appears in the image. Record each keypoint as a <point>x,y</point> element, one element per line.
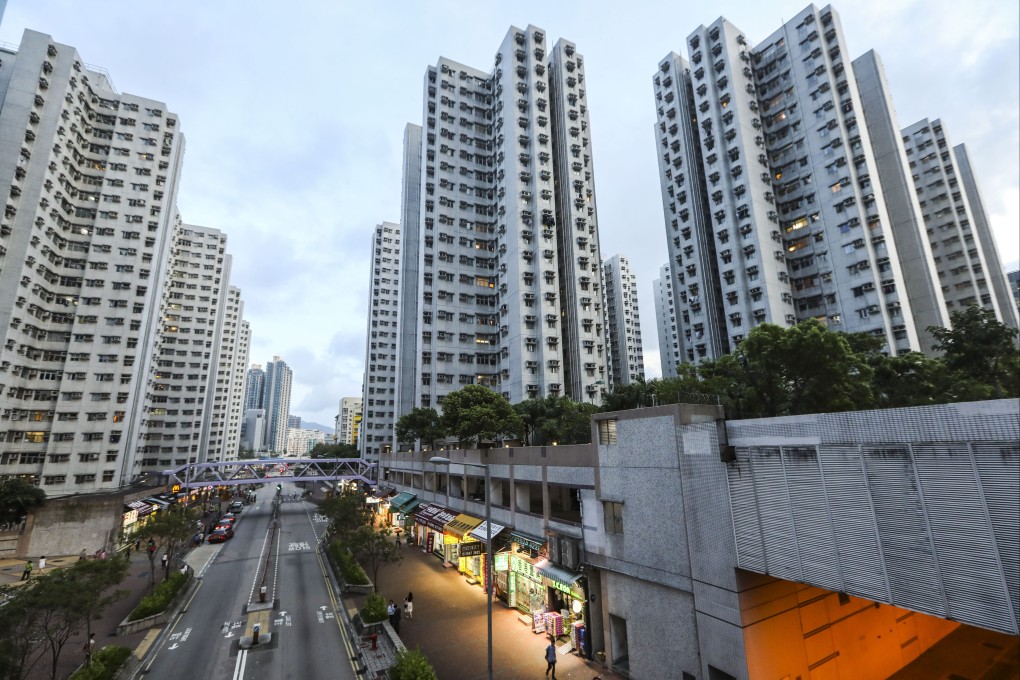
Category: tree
<point>911,379</point>
<point>412,665</point>
<point>636,394</point>
<point>346,512</point>
<point>532,413</point>
<point>17,497</point>
<point>419,424</point>
<point>167,532</point>
<point>334,451</point>
<point>376,549</point>
<point>95,579</point>
<point>980,348</point>
<point>475,414</point>
<point>20,632</point>
<point>566,421</point>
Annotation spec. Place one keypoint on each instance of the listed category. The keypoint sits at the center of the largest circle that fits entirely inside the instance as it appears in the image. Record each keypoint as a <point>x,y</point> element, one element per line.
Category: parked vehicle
<point>220,535</point>
<point>236,506</point>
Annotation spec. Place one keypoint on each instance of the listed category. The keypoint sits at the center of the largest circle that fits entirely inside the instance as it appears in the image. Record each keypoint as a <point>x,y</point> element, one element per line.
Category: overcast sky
<point>294,114</point>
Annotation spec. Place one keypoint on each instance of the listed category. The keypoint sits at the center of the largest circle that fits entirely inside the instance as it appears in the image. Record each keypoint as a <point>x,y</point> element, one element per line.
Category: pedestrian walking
<point>408,607</point>
<point>42,563</point>
<point>138,544</point>
<point>550,658</point>
<point>398,542</point>
<point>394,616</point>
<point>90,644</point>
<point>166,561</point>
<point>83,555</point>
<point>28,571</point>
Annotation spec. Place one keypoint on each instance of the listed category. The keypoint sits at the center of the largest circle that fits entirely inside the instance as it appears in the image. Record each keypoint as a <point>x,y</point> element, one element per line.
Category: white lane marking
<point>242,660</point>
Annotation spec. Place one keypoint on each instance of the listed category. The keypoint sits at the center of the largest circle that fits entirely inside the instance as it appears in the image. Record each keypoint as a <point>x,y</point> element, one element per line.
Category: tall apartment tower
<point>90,177</point>
<point>276,404</point>
<point>379,387</point>
<point>408,336</point>
<point>255,387</point>
<point>665,323</point>
<point>508,243</point>
<point>348,420</point>
<point>223,435</point>
<point>175,423</point>
<point>239,362</point>
<point>623,322</point>
<point>965,254</point>
<point>774,207</point>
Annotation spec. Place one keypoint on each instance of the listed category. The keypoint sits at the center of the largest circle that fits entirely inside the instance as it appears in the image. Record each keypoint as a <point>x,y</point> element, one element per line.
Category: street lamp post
<point>440,460</point>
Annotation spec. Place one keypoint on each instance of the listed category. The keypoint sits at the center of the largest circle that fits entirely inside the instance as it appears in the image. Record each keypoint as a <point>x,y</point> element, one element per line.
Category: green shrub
<point>105,664</point>
<point>374,609</point>
<point>161,598</point>
<point>350,570</point>
<point>412,665</point>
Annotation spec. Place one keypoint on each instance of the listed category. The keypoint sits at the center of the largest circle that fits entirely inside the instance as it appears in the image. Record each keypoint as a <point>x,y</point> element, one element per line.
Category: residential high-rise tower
<point>379,386</point>
<point>665,323</point>
<point>276,404</point>
<point>623,323</point>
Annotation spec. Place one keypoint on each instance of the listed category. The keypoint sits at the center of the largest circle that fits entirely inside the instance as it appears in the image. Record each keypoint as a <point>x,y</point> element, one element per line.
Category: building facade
<point>773,196</point>
<point>235,422</point>
<point>665,323</point>
<point>507,233</point>
<point>255,387</point>
<point>623,322</point>
<point>965,255</point>
<point>228,392</point>
<point>379,387</point>
<point>349,421</point>
<point>276,404</point>
<point>91,178</point>
<point>177,423</point>
<point>301,440</point>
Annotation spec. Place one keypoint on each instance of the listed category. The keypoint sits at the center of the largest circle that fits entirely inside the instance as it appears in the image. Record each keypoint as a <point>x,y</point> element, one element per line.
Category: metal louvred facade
<point>928,526</point>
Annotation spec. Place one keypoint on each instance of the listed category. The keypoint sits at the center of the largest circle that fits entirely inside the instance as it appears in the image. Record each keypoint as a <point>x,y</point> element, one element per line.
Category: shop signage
<point>502,561</point>
<point>431,541</point>
<point>470,549</point>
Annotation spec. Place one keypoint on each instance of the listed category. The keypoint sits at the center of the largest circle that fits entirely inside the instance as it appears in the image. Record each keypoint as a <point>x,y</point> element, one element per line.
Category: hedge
<point>105,664</point>
<point>160,599</point>
<point>351,571</point>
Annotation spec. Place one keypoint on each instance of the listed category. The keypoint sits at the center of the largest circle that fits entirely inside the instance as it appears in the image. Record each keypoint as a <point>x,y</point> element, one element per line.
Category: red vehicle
<point>220,535</point>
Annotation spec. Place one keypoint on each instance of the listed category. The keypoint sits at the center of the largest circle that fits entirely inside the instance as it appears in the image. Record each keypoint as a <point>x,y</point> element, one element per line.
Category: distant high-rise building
<point>276,404</point>
<point>623,322</point>
<point>348,420</point>
<point>778,207</point>
<point>379,386</point>
<point>1014,285</point>
<point>255,387</point>
<point>254,431</point>
<point>503,231</point>
<point>228,395</point>
<point>300,441</point>
<point>408,346</point>
<point>294,422</point>
<point>665,323</point>
<point>91,178</point>
<point>235,423</point>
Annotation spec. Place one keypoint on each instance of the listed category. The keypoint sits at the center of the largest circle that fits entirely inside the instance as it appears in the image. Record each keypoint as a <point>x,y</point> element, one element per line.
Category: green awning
<point>404,503</point>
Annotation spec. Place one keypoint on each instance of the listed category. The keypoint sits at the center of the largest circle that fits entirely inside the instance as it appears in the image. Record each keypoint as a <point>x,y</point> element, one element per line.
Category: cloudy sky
<point>294,114</point>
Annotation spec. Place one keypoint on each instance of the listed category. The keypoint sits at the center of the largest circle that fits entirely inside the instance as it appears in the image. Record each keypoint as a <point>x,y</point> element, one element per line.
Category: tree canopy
<point>421,424</point>
<point>476,414</point>
<point>17,497</point>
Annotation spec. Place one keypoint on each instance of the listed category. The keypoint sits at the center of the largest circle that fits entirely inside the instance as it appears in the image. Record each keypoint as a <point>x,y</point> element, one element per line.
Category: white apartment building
<point>962,246</point>
<point>176,421</point>
<point>406,324</point>
<point>301,440</point>
<point>623,322</point>
<point>509,281</point>
<point>90,177</point>
<point>276,403</point>
<point>253,432</point>
<point>773,199</point>
<point>254,387</point>
<point>379,386</point>
<point>224,433</point>
<point>235,421</point>
<point>349,421</point>
<point>665,323</point>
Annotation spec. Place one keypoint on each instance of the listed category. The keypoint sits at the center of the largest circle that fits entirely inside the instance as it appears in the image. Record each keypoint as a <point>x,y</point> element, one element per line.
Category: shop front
<point>429,523</point>
<point>477,568</point>
<point>402,509</point>
<point>455,533</point>
<point>565,602</point>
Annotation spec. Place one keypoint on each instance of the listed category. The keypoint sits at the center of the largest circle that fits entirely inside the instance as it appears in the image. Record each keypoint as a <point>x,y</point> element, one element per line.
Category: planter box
<point>127,627</point>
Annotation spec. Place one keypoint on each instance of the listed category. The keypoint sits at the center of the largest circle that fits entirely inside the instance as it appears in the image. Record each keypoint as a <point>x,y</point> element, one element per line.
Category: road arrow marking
<point>173,646</point>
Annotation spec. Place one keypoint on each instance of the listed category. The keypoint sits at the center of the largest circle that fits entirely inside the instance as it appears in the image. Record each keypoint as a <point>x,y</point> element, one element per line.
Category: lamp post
<point>440,460</point>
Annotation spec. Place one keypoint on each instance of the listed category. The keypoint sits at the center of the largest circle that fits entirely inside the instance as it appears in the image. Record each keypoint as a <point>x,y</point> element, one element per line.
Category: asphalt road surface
<point>305,637</point>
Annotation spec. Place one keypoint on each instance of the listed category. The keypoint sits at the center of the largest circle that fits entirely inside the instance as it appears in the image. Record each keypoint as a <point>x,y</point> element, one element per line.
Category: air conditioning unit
<point>568,553</point>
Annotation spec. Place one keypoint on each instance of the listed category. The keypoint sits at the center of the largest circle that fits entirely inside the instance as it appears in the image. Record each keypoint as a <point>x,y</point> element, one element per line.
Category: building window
<point>607,431</point>
<point>613,512</point>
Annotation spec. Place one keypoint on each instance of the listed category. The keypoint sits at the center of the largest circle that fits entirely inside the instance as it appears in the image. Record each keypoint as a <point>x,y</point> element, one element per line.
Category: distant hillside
<point>309,425</point>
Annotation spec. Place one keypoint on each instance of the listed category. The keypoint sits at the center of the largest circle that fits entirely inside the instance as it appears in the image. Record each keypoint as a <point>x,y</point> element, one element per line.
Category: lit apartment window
<point>607,431</point>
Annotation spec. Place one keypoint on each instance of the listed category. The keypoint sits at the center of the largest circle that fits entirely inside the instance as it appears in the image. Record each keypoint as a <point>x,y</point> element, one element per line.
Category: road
<point>299,614</point>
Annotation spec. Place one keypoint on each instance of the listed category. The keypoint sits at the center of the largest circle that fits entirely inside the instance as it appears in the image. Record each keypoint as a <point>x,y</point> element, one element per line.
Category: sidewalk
<point>136,583</point>
<point>450,628</point>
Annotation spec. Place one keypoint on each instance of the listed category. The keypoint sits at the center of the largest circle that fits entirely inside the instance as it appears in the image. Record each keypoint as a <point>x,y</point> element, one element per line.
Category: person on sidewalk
<point>42,563</point>
<point>409,606</point>
<point>27,572</point>
<point>90,645</point>
<point>550,658</point>
<point>166,562</point>
<point>394,617</point>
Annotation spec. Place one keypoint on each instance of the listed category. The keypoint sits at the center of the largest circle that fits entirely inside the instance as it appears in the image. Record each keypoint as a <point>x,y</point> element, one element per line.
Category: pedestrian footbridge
<point>262,471</point>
